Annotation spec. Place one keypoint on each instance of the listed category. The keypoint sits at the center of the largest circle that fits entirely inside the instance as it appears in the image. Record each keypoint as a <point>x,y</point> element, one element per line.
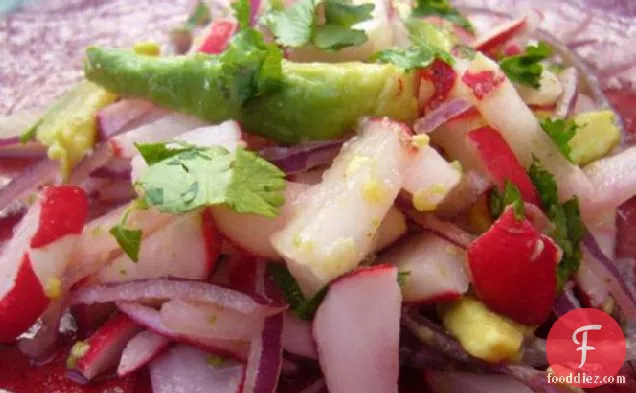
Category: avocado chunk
<point>69,127</point>
<point>481,332</point>
<point>315,101</point>
<point>597,136</point>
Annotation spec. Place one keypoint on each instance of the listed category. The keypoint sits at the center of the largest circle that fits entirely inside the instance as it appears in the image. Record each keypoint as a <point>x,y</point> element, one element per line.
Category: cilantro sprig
<point>298,25</point>
<point>526,68</point>
<point>129,240</point>
<point>302,307</point>
<point>561,132</point>
<point>568,227</point>
<point>444,10</point>
<point>188,178</point>
<point>420,56</point>
<point>509,196</point>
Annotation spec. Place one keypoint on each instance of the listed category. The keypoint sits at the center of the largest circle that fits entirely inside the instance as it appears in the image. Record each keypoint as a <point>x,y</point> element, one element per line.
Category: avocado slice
<point>483,333</point>
<point>597,136</point>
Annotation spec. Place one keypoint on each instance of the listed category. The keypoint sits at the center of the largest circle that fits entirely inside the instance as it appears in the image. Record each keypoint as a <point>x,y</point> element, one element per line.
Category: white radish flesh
<point>320,243</point>
<point>548,93</point>
<point>357,330</point>
<point>140,350</point>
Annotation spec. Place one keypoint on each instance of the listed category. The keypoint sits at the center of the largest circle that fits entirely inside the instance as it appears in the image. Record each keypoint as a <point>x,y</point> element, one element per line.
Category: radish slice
<point>140,351</point>
<point>463,196</point>
<point>297,338</point>
<point>186,369</point>
<point>492,93</point>
<point>265,358</point>
<point>357,330</point>
<point>429,178</point>
<point>113,119</point>
<point>215,37</point>
<point>547,94</point>
<point>43,172</point>
<point>102,350</point>
<point>499,36</point>
<point>393,226</point>
<point>34,260</point>
<point>150,318</point>
<point>435,266</point>
<point>226,134</point>
<point>164,129</point>
<point>208,320</point>
<point>616,177</point>
<point>463,382</point>
<point>566,104</point>
<point>174,289</point>
<point>443,229</point>
<point>440,115</point>
<point>363,181</point>
<point>256,240</point>
<point>181,249</point>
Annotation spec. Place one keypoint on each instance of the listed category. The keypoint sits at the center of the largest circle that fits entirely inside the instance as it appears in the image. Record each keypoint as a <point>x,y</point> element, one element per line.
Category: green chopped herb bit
<point>129,240</point>
<point>402,277</point>
<point>569,229</point>
<point>411,58</point>
<point>510,196</point>
<point>302,307</point>
<point>526,68</point>
<point>444,10</point>
<point>561,132</point>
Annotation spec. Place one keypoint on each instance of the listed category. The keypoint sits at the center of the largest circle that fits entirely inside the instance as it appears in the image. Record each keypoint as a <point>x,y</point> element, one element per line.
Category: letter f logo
<point>584,347</point>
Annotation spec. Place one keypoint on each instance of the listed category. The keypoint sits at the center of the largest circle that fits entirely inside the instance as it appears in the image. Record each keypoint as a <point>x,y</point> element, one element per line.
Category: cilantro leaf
<point>526,68</point>
<point>200,15</point>
<point>293,27</point>
<point>303,308</point>
<point>197,177</point>
<point>242,13</point>
<point>402,277</point>
<point>411,58</point>
<point>568,230</point>
<point>561,132</point>
<point>297,25</point>
<point>444,10</point>
<point>156,152</point>
<point>510,196</point>
<point>425,33</point>
<point>129,240</point>
<point>30,133</point>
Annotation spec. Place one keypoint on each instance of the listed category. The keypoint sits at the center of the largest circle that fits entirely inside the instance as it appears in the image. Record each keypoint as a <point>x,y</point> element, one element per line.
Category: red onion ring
<point>566,104</point>
<point>567,301</point>
<point>44,171</point>
<point>301,158</point>
<point>440,115</point>
<point>443,229</point>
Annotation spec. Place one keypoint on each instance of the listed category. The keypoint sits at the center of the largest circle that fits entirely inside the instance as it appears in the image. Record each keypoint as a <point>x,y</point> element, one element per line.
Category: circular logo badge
<point>585,348</point>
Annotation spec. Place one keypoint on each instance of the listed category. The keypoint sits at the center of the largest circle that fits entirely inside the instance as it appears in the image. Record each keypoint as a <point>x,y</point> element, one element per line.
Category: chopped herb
<point>77,352</point>
<point>526,68</point>
<point>444,10</point>
<point>510,196</point>
<point>302,307</point>
<point>129,240</point>
<point>153,153</point>
<point>30,134</point>
<point>465,52</point>
<point>422,32</point>
<point>402,277</point>
<point>561,132</point>
<point>414,57</point>
<point>297,25</point>
<point>242,13</point>
<point>215,361</point>
<point>195,177</point>
<point>568,227</point>
<point>200,15</point>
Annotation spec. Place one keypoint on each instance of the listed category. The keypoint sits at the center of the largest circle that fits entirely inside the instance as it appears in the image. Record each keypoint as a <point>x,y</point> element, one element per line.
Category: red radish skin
<point>63,211</point>
<point>499,36</point>
<point>513,269</point>
<point>212,238</point>
<point>357,330</point>
<point>218,36</point>
<point>105,346</point>
<point>482,83</point>
<point>443,77</point>
<point>501,163</point>
<point>23,304</point>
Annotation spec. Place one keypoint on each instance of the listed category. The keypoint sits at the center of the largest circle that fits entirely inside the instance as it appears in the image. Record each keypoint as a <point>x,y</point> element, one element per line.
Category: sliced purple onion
<point>301,158</point>
<point>116,169</point>
<point>443,229</point>
<point>186,369</point>
<point>116,192</point>
<point>566,104</point>
<point>113,119</point>
<point>536,380</point>
<point>465,382</point>
<point>177,289</point>
<point>140,351</point>
<point>43,172</point>
<point>472,185</point>
<point>567,301</point>
<point>317,387</point>
<point>90,163</point>
<point>22,150</point>
<point>297,338</point>
<point>265,359</point>
<point>150,318</point>
<point>440,115</point>
<point>40,342</point>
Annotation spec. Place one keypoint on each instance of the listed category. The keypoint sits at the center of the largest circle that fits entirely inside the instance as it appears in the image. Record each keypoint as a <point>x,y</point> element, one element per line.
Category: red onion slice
<point>40,341</point>
<point>463,382</point>
<point>301,158</point>
<point>265,358</point>
<point>177,289</point>
<point>567,301</point>
<point>44,171</point>
<point>186,369</point>
<point>90,163</point>
<point>150,318</point>
<point>297,338</point>
<point>566,104</point>
<point>112,119</point>
<point>140,351</point>
<point>317,387</point>
<point>443,229</point>
<point>440,115</point>
<point>22,150</point>
<point>472,185</point>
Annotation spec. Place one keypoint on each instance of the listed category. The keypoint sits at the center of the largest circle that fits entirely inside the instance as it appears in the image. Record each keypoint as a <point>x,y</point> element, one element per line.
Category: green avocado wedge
<point>315,101</point>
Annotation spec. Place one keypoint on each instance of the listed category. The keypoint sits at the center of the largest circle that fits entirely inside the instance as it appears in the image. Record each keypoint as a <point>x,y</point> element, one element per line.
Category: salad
<point>313,196</point>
